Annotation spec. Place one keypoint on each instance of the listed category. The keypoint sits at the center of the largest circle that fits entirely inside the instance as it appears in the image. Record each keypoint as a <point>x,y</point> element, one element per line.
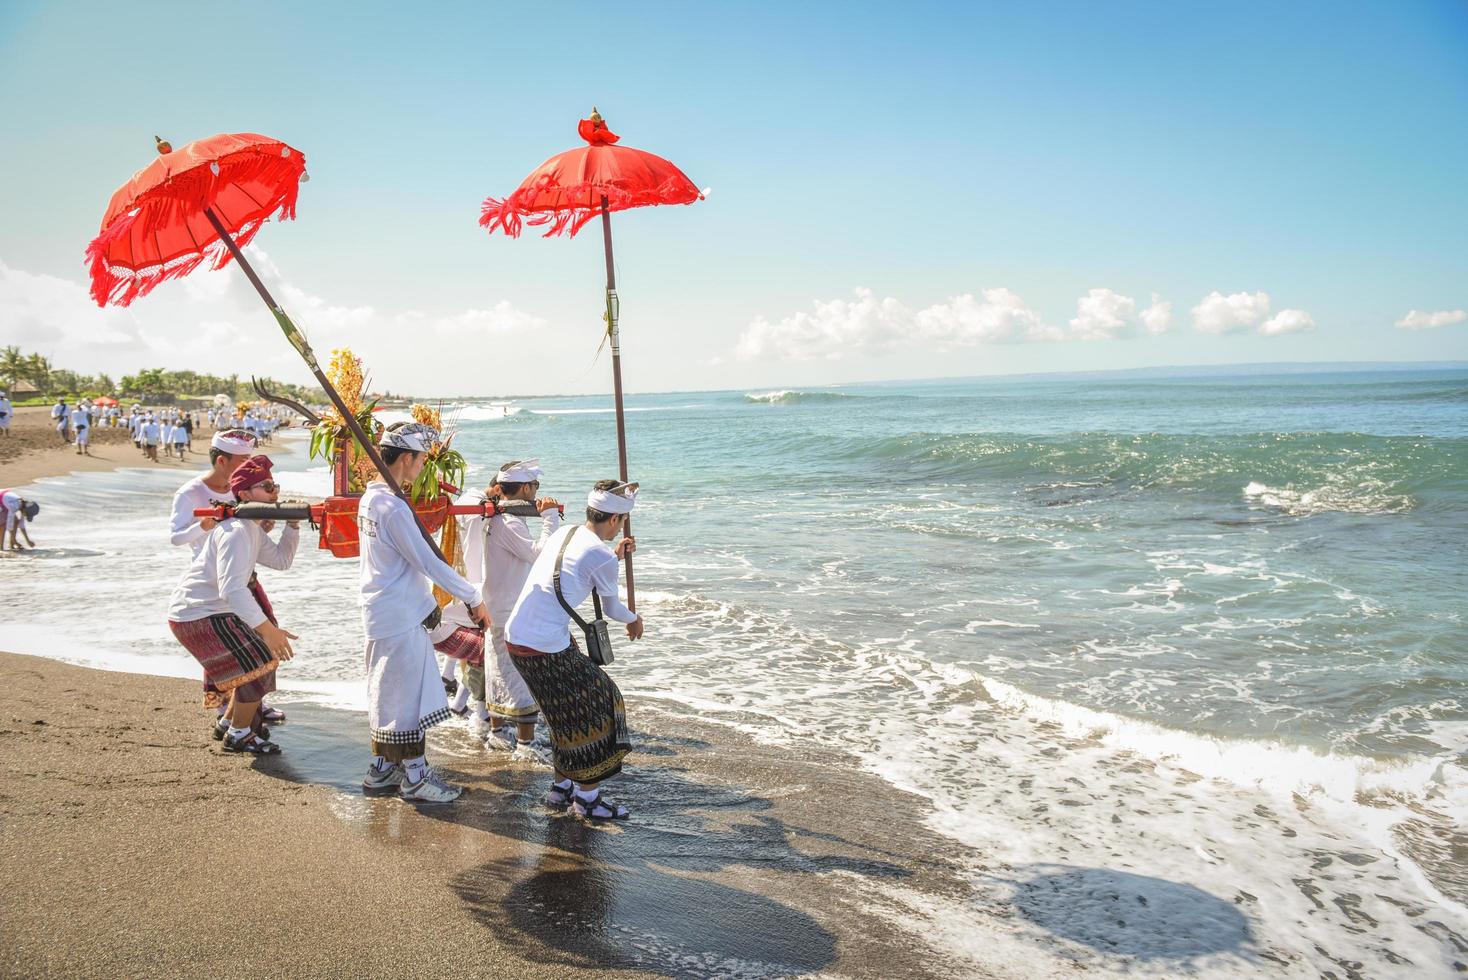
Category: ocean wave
<point>487,413</point>
<point>792,397</point>
<point>1344,472</point>
<point>1370,497</point>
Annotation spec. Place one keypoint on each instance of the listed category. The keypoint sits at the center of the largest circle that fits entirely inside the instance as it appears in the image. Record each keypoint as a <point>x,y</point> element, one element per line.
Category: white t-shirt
<point>183,526</point>
<point>4,411</point>
<point>396,566</point>
<point>218,581</point>
<point>538,621</point>
<point>508,553</point>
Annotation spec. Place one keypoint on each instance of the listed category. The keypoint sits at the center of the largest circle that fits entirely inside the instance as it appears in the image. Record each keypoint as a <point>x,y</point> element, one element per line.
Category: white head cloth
<point>525,471</point>
<point>235,445</point>
<point>414,437</point>
<point>618,500</point>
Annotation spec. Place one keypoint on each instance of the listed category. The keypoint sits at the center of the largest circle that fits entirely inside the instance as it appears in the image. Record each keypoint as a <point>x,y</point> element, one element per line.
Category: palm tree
<point>37,370</point>
<point>12,365</point>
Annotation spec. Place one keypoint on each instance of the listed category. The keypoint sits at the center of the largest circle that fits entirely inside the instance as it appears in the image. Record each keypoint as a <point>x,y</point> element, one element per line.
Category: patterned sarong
<point>234,658</point>
<point>582,707</point>
<point>463,644</point>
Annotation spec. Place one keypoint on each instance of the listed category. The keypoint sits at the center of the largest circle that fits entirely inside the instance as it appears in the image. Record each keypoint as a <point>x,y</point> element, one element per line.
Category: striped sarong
<point>235,659</point>
<point>463,644</point>
<point>583,709</point>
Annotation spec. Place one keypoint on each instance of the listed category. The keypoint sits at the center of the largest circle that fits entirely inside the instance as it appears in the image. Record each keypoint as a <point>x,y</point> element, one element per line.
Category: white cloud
<point>214,321</point>
<point>53,316</point>
<point>1287,321</point>
<point>1157,318</point>
<point>999,316</point>
<point>835,328</point>
<point>1237,312</point>
<point>1102,314</point>
<point>1421,320</point>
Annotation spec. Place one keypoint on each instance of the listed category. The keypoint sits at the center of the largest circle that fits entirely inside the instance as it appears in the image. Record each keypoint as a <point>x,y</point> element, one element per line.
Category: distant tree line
<point>150,385</point>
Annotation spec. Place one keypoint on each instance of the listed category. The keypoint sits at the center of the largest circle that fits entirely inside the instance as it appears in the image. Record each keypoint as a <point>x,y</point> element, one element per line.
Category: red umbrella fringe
<point>186,194</point>
<point>510,213</point>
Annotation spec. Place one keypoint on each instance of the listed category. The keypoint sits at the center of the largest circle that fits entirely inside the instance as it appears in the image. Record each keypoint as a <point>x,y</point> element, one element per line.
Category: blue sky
<point>897,191</point>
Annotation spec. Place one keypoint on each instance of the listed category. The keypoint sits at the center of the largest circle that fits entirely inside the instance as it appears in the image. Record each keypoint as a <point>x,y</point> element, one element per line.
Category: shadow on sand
<point>681,891</point>
<point>709,879</point>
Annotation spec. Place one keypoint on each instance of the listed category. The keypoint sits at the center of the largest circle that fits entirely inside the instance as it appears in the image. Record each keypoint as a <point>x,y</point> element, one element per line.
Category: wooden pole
<point>298,341</point>
<point>615,336</point>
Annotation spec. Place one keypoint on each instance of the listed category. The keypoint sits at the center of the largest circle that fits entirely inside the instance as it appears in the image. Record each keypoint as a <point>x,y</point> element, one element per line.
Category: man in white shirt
<point>5,413</point>
<point>16,513</point>
<point>405,695</point>
<point>150,431</point>
<point>502,550</point>
<point>217,617</point>
<point>581,704</point>
<point>63,420</point>
<point>81,426</point>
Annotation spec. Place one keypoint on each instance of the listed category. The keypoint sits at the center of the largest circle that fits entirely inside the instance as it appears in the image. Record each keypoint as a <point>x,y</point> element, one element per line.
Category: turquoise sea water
<point>1207,630</point>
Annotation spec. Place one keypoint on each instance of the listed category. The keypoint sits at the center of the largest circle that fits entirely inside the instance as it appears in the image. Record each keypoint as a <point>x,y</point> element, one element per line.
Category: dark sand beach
<point>132,846</point>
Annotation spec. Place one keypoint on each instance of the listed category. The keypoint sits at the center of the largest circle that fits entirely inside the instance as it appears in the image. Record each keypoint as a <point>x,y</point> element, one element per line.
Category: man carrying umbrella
<point>405,695</point>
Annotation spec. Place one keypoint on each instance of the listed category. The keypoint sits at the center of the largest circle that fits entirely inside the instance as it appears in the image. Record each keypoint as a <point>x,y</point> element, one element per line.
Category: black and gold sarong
<point>583,709</point>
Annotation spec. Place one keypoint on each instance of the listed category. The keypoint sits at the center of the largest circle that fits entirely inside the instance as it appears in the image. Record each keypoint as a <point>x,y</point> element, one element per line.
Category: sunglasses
<point>269,486</point>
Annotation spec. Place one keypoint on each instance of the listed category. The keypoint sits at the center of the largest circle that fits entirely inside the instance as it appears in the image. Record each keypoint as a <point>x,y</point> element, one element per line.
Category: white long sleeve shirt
<point>538,621</point>
<point>509,553</point>
<point>183,526</point>
<point>218,581</point>
<point>397,565</point>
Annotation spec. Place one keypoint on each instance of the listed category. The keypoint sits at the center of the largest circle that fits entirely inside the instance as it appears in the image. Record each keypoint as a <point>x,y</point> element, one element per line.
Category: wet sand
<point>33,451</point>
<point>132,846</point>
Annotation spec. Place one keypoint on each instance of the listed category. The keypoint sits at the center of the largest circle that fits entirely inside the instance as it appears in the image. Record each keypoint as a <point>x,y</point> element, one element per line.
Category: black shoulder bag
<point>598,638</point>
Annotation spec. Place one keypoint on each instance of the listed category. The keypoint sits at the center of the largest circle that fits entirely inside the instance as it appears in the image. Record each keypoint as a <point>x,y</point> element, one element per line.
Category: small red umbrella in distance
<point>570,189</point>
<point>202,203</point>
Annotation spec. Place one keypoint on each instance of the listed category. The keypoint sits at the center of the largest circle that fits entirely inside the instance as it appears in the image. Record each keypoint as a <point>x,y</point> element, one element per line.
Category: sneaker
<point>379,782</point>
<point>430,789</point>
<point>501,740</point>
<point>530,752</point>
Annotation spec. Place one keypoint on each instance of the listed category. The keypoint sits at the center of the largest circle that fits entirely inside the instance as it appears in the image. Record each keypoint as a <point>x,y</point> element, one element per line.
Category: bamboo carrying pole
<point>298,341</point>
<point>615,336</point>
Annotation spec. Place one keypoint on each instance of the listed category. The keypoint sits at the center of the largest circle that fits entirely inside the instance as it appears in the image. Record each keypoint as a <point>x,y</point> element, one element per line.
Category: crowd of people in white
<point>169,429</point>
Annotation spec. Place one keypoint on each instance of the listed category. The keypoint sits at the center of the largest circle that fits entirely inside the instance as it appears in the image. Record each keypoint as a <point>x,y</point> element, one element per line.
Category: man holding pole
<point>405,695</point>
<point>581,704</point>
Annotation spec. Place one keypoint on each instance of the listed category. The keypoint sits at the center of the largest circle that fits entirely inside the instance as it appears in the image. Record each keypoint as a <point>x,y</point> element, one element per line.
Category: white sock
<point>223,722</point>
<point>380,764</point>
<point>461,698</point>
<point>586,794</point>
<point>481,711</point>
<point>564,785</point>
<point>416,768</point>
<point>449,663</point>
<point>237,732</point>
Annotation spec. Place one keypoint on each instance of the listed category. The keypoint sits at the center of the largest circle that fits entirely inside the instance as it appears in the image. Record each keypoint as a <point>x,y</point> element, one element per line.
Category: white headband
<point>233,445</point>
<point>525,471</point>
<point>612,501</point>
<point>414,437</point>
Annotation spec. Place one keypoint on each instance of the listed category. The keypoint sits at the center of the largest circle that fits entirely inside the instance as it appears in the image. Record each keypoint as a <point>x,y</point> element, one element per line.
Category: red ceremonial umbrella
<point>104,401</point>
<point>201,203</point>
<point>570,189</point>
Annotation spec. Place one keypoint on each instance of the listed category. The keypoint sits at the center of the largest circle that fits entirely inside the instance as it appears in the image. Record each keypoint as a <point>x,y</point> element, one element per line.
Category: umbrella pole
<point>298,341</point>
<point>614,334</point>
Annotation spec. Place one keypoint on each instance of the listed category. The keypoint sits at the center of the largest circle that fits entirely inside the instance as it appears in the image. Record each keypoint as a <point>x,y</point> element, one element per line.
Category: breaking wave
<point>792,397</point>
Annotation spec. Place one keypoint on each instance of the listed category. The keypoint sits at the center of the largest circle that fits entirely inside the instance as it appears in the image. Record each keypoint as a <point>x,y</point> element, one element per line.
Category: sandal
<point>273,715</point>
<point>216,731</point>
<point>252,744</point>
<point>599,809</point>
<point>559,797</point>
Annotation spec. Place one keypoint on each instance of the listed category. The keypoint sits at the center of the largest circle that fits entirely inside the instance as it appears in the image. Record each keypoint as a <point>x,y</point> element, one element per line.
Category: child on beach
<point>217,616</point>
